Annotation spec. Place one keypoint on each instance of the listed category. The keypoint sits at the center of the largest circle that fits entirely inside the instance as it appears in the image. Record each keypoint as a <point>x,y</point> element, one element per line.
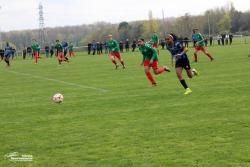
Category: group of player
<point>149,51</point>
<point>150,55</point>
<point>60,50</point>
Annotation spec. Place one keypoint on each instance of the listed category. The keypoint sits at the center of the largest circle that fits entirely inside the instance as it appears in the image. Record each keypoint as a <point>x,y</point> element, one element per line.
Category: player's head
<point>195,30</point>
<point>57,41</point>
<point>141,41</point>
<point>170,38</point>
<point>7,44</point>
<point>110,36</point>
<point>155,33</point>
<point>33,39</point>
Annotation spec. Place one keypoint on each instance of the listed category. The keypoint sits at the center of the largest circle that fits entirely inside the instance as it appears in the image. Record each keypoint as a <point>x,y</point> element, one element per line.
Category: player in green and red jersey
<point>60,52</point>
<point>150,59</point>
<point>155,40</point>
<point>200,45</point>
<point>114,51</point>
<point>35,49</point>
<point>71,50</point>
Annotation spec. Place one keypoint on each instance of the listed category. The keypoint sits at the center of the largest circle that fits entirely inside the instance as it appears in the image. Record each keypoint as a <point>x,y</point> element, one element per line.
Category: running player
<point>114,51</point>
<point>60,52</point>
<point>178,53</point>
<point>200,45</point>
<point>150,59</point>
<point>71,51</point>
<point>35,48</point>
<point>155,40</point>
<point>7,54</point>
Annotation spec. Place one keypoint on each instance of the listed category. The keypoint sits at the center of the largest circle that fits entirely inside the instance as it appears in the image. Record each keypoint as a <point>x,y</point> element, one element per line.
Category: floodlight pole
<point>209,27</point>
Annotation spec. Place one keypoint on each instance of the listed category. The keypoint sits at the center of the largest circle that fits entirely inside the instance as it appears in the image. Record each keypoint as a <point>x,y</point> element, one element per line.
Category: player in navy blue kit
<point>7,54</point>
<point>178,53</point>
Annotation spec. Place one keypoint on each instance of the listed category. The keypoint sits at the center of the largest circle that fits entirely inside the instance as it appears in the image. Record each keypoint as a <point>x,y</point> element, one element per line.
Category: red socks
<point>114,62</point>
<point>160,70</point>
<point>150,77</point>
<point>210,57</point>
<point>195,57</point>
<point>59,61</point>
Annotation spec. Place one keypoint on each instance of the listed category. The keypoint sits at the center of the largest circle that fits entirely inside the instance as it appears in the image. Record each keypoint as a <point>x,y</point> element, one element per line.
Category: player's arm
<point>143,59</point>
<point>185,50</point>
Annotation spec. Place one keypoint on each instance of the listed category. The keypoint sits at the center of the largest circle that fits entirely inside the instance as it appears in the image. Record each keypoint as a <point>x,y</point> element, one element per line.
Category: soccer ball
<point>57,98</point>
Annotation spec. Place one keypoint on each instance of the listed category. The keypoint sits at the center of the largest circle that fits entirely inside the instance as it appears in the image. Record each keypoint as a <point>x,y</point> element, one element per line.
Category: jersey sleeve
<point>154,56</point>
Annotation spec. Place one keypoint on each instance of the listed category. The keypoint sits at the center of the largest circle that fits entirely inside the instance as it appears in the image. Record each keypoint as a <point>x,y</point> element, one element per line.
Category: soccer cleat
<point>154,84</point>
<point>188,91</point>
<point>167,69</point>
<point>116,67</point>
<point>212,59</point>
<point>195,72</point>
<point>124,67</point>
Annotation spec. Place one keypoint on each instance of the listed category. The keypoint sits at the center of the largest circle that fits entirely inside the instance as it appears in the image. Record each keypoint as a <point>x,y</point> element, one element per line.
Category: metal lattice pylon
<point>42,31</point>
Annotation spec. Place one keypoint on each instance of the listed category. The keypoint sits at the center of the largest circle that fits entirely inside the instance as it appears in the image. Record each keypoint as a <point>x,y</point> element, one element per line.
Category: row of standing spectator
<point>97,47</point>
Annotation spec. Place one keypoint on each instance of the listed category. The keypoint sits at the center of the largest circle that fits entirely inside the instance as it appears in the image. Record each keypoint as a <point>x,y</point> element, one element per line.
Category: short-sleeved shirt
<point>113,45</point>
<point>35,47</point>
<point>155,39</point>
<point>59,47</point>
<point>148,52</point>
<point>198,37</point>
<point>176,49</point>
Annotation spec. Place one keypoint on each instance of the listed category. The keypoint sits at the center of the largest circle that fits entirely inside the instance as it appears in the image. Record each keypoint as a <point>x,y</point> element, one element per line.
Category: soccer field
<point>114,118</point>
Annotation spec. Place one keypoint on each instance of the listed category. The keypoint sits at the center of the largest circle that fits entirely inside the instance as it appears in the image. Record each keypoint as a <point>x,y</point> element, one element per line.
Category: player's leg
<point>196,54</point>
<point>65,58</point>
<point>157,70</point>
<point>206,53</point>
<point>59,57</point>
<point>147,72</point>
<point>36,57</point>
<point>182,81</point>
<point>118,55</point>
<point>112,58</point>
<point>7,60</point>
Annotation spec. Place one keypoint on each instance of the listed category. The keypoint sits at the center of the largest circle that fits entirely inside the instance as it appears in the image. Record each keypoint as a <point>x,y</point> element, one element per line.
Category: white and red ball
<point>58,98</point>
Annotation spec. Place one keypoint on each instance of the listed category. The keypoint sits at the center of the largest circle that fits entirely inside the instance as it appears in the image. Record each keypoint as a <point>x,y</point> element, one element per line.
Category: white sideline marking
<point>59,81</point>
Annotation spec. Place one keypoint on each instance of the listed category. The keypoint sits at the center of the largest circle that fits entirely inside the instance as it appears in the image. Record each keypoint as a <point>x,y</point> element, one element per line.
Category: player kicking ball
<point>178,53</point>
<point>114,51</point>
<point>150,59</point>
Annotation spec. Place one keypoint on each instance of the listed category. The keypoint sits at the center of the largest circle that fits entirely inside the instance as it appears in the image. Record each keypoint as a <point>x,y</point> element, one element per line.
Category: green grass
<point>131,124</point>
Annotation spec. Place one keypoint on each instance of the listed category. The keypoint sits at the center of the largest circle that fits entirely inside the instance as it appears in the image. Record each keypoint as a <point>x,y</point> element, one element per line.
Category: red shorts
<point>200,48</point>
<point>154,65</point>
<point>36,54</point>
<point>113,55</point>
<point>60,55</point>
<point>155,45</point>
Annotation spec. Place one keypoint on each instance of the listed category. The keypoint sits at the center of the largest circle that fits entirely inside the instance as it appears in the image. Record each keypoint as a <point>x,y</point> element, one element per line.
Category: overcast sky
<point>23,14</point>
